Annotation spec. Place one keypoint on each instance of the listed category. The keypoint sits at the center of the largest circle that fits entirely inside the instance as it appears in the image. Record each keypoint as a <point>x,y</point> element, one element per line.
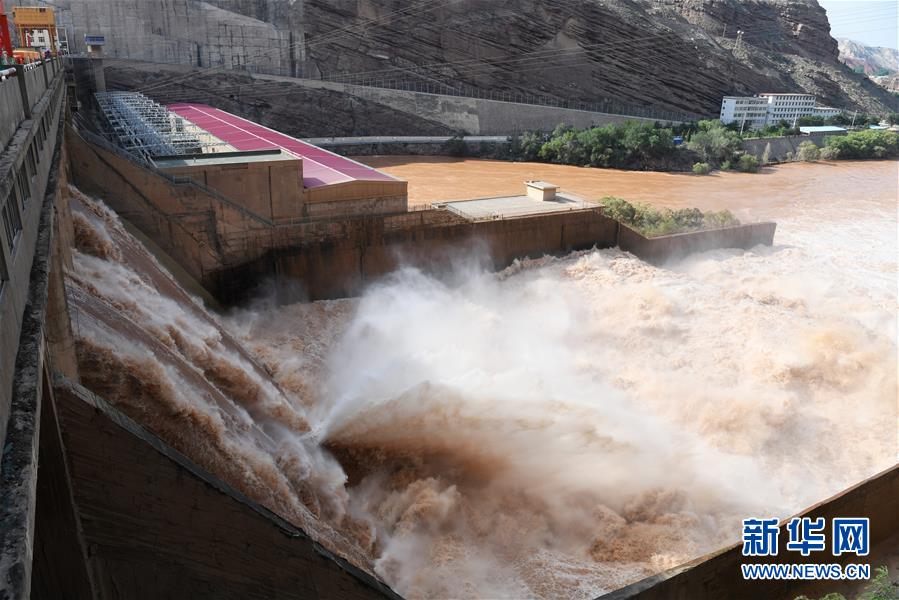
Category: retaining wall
<point>229,250</point>
<point>11,111</point>
<point>159,526</point>
<point>658,250</point>
<point>718,576</point>
<point>782,148</point>
<point>472,116</point>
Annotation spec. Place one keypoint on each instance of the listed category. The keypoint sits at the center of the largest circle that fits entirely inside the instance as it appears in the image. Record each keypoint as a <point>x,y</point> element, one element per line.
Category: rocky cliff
<point>674,54</point>
<point>870,59</point>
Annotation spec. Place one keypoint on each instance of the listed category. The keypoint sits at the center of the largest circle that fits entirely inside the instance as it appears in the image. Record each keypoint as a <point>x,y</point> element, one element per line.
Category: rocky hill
<point>674,54</point>
<point>873,60</point>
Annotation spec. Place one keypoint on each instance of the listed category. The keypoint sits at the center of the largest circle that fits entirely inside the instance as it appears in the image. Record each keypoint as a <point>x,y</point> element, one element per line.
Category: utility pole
<point>855,114</point>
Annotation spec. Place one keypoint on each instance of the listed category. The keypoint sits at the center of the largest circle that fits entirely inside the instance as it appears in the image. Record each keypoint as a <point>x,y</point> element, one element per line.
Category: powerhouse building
<point>273,175</point>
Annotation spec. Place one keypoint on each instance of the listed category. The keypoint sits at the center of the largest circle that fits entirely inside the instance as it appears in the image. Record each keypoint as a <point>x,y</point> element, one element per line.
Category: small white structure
<point>541,190</point>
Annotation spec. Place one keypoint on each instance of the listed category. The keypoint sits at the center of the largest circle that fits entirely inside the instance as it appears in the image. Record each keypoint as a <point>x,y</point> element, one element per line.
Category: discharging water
<point>558,429</point>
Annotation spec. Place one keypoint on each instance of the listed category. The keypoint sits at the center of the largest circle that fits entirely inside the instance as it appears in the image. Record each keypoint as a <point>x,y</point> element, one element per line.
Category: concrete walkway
<point>401,139</point>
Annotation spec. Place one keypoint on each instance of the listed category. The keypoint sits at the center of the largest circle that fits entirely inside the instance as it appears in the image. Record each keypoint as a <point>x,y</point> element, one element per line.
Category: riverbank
<point>750,196</point>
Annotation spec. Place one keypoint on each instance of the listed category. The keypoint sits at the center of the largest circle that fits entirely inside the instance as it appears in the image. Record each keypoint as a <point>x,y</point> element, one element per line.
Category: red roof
<point>320,167</point>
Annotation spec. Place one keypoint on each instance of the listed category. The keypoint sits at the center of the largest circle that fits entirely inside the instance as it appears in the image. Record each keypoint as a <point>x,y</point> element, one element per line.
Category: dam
<point>489,408</point>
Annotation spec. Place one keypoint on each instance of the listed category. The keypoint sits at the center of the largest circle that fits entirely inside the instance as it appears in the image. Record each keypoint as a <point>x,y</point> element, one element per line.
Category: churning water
<point>562,427</point>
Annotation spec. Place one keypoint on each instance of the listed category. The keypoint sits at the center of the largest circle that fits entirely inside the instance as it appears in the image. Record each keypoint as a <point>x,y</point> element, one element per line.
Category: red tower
<point>5,41</point>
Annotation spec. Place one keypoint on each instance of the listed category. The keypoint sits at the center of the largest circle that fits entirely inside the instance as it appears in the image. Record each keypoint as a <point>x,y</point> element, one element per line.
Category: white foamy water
<point>570,425</point>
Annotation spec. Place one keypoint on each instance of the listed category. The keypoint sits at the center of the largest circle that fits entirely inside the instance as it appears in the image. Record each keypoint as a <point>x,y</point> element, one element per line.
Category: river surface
<point>764,194</point>
<point>558,429</point>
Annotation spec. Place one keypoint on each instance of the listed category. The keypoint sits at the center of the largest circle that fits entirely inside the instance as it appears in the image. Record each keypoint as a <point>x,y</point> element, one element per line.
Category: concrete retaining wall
<point>11,112</point>
<point>159,526</point>
<point>368,249</point>
<point>36,83</point>
<point>658,250</point>
<point>718,576</point>
<point>230,251</point>
<point>782,148</point>
<point>472,116</point>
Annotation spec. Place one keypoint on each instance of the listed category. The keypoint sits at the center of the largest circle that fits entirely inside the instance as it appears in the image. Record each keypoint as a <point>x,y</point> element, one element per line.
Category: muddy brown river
<point>555,430</point>
<point>749,195</point>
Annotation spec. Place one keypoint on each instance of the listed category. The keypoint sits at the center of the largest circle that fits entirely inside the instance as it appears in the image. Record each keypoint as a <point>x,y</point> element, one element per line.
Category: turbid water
<point>557,429</point>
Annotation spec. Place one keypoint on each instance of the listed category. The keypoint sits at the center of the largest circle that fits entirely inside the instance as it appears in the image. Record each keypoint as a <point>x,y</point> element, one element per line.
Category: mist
<point>560,428</point>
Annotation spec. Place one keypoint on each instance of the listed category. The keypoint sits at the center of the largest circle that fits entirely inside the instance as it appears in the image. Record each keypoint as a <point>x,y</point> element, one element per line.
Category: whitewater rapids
<point>557,429</point>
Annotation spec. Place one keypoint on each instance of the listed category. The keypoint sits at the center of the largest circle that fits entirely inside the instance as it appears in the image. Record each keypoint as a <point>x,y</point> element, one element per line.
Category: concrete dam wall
<point>230,250</point>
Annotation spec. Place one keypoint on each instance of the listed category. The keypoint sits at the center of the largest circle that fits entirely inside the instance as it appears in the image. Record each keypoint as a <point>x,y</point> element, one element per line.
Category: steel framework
<point>143,127</point>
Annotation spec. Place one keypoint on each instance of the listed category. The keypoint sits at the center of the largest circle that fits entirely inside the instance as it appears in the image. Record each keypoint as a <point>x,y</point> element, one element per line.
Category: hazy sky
<point>872,22</point>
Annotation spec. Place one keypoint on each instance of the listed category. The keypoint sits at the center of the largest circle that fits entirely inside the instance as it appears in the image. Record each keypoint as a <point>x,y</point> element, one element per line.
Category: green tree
<point>713,142</point>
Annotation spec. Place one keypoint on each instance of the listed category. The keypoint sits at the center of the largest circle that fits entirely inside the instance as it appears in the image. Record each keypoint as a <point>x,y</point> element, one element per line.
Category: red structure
<point>5,41</point>
<point>320,167</point>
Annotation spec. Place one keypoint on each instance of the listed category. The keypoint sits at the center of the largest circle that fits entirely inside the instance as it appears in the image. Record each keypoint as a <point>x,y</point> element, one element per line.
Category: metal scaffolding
<point>143,127</point>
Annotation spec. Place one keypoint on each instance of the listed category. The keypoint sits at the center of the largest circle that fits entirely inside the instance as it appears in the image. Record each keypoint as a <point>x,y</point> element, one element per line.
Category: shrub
<point>868,143</point>
<point>722,218</point>
<point>829,153</point>
<point>808,151</point>
<point>701,168</point>
<point>748,163</point>
<point>727,166</point>
<point>652,222</point>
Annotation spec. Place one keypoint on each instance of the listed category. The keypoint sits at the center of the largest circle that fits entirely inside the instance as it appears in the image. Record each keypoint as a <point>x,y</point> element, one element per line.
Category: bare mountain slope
<point>873,60</point>
<point>673,54</point>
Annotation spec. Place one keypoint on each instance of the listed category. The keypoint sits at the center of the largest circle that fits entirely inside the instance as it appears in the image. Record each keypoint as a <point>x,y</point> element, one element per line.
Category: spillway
<point>561,428</point>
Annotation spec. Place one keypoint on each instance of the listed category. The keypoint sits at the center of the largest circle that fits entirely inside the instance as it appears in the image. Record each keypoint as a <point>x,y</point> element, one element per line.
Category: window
<point>31,161</point>
<point>12,219</point>
<point>37,138</point>
<point>24,186</point>
<point>4,273</point>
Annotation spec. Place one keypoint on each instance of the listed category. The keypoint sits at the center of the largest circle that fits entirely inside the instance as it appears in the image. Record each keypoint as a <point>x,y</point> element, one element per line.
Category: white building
<point>788,107</point>
<point>826,112</point>
<point>752,112</point>
<point>40,38</point>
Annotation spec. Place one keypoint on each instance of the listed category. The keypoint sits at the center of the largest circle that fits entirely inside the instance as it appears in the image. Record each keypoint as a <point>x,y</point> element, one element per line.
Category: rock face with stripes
<point>679,55</point>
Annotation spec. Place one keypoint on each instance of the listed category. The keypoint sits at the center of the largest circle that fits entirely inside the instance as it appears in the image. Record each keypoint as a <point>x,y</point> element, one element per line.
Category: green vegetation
<point>653,222</point>
<point>880,588</point>
<point>625,145</point>
<point>808,151</point>
<point>860,119</point>
<point>701,168</point>
<point>748,163</point>
<point>714,143</point>
<point>781,129</point>
<point>868,143</point>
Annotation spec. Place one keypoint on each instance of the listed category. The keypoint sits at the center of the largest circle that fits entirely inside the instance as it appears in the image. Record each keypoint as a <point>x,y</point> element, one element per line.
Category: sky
<point>871,22</point>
